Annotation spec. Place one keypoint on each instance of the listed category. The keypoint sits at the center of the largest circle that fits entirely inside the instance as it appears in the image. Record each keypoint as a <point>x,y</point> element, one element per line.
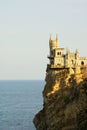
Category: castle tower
<point>56,56</point>
<point>53,43</point>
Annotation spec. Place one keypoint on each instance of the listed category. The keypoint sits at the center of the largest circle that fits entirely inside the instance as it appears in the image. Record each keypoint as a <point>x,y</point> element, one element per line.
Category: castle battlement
<point>59,60</point>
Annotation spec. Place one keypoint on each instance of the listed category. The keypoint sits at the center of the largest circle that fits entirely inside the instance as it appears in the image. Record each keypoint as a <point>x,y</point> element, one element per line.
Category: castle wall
<point>59,59</point>
<point>59,52</point>
<point>83,61</point>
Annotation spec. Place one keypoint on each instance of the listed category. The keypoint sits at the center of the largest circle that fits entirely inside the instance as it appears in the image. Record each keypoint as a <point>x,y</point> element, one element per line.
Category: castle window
<point>82,63</point>
<point>58,53</point>
<point>72,62</point>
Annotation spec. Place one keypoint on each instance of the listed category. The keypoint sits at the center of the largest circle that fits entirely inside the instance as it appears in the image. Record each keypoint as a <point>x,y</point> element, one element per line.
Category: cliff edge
<point>64,100</point>
<point>65,92</point>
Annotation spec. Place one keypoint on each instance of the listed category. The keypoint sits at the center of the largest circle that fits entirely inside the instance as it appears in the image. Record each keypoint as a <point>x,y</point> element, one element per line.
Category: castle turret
<point>53,43</point>
<point>77,54</point>
<point>57,40</point>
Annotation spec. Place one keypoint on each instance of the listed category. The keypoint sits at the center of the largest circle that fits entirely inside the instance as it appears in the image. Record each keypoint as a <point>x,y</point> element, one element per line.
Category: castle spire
<point>56,36</point>
<point>50,37</point>
<point>57,40</point>
<point>76,51</point>
<point>53,43</point>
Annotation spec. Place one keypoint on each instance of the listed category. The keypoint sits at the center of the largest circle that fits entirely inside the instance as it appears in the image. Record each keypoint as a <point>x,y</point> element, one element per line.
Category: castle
<point>59,59</point>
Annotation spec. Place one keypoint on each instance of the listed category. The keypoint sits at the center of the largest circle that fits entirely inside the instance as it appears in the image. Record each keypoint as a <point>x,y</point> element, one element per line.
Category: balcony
<point>50,57</point>
<point>55,66</point>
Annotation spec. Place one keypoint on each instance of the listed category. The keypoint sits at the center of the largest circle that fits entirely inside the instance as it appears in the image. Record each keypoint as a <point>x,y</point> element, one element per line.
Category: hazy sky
<point>25,26</point>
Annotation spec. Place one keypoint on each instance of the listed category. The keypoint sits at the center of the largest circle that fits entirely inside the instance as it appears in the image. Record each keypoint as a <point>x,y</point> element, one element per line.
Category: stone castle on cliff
<point>65,91</point>
<point>59,59</point>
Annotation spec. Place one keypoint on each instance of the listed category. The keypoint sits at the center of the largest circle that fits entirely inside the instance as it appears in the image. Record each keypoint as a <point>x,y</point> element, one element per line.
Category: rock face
<point>65,101</point>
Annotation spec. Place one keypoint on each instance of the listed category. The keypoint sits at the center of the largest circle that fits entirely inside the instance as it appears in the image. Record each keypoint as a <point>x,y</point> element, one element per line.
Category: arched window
<point>82,62</point>
<point>58,53</point>
<point>72,61</point>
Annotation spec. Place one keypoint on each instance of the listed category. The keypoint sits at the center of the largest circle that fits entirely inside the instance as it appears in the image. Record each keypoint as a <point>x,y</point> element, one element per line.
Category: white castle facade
<point>61,59</point>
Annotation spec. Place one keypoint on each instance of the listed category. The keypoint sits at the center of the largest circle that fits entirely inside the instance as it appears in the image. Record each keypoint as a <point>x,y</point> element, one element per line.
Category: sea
<point>19,102</point>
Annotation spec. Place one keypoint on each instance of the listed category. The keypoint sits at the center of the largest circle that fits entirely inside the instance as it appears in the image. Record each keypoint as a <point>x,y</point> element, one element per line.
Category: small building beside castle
<point>60,59</point>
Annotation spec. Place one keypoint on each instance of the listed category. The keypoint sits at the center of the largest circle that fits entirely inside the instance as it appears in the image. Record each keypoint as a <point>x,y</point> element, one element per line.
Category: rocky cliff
<point>64,101</point>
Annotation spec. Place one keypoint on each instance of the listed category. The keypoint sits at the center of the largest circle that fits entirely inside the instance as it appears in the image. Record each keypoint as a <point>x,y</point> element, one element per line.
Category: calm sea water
<point>19,102</point>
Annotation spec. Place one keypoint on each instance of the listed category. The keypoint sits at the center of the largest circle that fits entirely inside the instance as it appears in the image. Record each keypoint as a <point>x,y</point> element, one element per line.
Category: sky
<point>25,27</point>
